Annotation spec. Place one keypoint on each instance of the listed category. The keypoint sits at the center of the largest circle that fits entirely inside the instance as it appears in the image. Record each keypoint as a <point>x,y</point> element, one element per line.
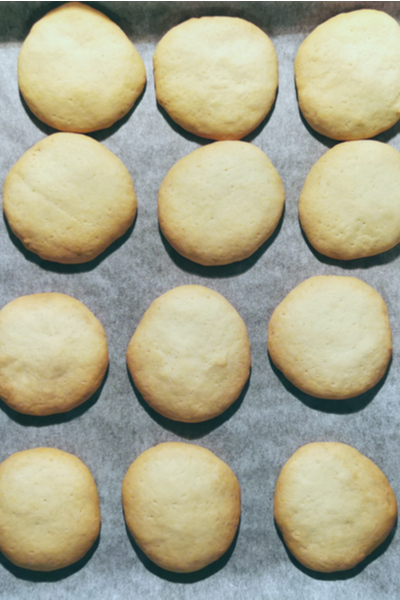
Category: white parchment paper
<point>271,419</point>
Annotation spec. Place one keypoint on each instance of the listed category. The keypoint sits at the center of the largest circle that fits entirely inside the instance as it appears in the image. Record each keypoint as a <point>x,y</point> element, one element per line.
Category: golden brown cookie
<point>181,505</point>
<point>220,203</point>
<point>348,75</point>
<point>77,70</point>
<point>190,354</point>
<point>49,509</point>
<point>53,354</point>
<point>331,337</point>
<point>68,198</point>
<point>333,506</point>
<point>350,204</point>
<point>216,76</point>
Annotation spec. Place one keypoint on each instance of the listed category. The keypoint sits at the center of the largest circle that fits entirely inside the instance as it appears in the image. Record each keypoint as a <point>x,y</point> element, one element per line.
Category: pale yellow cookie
<point>53,354</point>
<point>68,198</point>
<point>190,354</point>
<point>49,509</point>
<point>331,337</point>
<point>181,505</point>
<point>333,506</point>
<point>348,75</point>
<point>350,204</point>
<point>216,76</point>
<point>220,203</point>
<point>77,70</point>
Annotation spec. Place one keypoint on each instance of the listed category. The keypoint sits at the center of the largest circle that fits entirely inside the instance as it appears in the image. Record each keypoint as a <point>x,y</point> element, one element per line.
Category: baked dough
<point>53,354</point>
<point>216,76</point>
<point>49,509</point>
<point>181,505</point>
<point>348,75</point>
<point>190,354</point>
<point>78,71</point>
<point>68,198</point>
<point>220,203</point>
<point>333,506</point>
<point>331,337</point>
<point>350,204</point>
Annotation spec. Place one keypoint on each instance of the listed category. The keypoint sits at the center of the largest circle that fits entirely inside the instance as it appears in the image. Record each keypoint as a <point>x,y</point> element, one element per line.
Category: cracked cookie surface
<point>216,77</point>
<point>190,354</point>
<point>331,337</point>
<point>333,505</point>
<point>53,354</point>
<point>349,207</point>
<point>220,203</point>
<point>181,505</point>
<point>347,75</point>
<point>78,71</point>
<point>49,509</point>
<point>68,198</point>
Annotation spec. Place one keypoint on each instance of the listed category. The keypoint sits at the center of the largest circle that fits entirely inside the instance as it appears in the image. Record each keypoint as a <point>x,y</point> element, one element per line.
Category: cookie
<point>220,203</point>
<point>331,337</point>
<point>190,354</point>
<point>53,354</point>
<point>181,505</point>
<point>350,204</point>
<point>49,509</point>
<point>216,76</point>
<point>347,74</point>
<point>333,506</point>
<point>77,70</point>
<point>68,198</point>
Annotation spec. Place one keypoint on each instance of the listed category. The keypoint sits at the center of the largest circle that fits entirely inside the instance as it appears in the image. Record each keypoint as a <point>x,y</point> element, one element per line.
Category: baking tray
<point>271,419</point>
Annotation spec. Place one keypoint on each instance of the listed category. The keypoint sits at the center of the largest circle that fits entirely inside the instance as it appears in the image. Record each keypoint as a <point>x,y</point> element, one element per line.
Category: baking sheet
<point>271,419</point>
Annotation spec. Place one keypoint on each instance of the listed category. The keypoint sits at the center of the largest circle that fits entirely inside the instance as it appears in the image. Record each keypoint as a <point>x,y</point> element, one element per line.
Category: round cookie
<point>181,505</point>
<point>68,198</point>
<point>216,76</point>
<point>190,354</point>
<point>220,203</point>
<point>350,204</point>
<point>77,70</point>
<point>348,75</point>
<point>333,506</point>
<point>331,337</point>
<point>49,509</point>
<point>53,354</point>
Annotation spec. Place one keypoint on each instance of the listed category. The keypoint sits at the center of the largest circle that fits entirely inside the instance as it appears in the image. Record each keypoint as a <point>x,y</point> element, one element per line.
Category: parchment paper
<point>271,419</point>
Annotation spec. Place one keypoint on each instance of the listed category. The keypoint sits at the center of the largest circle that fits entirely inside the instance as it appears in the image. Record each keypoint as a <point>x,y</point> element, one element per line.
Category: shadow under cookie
<point>56,267</point>
<point>339,575</point>
<point>185,578</point>
<point>37,421</point>
<point>223,271</point>
<point>190,431</point>
<point>340,407</point>
<point>42,576</point>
